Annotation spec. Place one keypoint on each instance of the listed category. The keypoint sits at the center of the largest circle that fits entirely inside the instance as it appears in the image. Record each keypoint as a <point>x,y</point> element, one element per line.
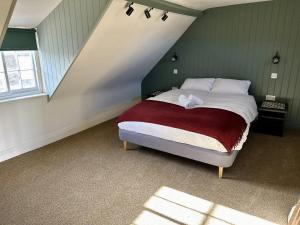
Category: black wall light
<point>130,9</point>
<point>276,58</point>
<point>147,13</point>
<point>165,17</point>
<point>174,57</point>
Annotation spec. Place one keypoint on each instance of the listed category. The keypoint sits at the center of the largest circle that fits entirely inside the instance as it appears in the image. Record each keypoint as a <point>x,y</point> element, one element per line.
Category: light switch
<point>274,75</point>
<point>175,71</point>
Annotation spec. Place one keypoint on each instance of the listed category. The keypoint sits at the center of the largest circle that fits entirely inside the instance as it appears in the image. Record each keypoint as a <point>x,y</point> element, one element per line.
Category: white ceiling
<point>206,4</point>
<point>30,13</point>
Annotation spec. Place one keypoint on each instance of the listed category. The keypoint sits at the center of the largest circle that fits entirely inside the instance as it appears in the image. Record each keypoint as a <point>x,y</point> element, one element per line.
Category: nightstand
<point>271,118</point>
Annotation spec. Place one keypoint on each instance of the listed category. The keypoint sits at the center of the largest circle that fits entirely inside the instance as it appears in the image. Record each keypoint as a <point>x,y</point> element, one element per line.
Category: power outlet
<point>175,71</point>
<point>271,98</point>
<point>274,75</point>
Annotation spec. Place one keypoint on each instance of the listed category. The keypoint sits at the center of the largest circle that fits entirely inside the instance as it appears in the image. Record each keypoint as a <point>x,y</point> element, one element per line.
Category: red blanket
<point>225,126</point>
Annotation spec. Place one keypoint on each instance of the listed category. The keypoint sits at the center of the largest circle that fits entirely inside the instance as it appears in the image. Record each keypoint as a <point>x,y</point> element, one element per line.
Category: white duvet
<point>244,105</point>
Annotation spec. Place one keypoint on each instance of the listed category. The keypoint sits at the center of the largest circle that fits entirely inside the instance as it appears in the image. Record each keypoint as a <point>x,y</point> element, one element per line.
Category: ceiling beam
<point>169,6</point>
<point>7,16</point>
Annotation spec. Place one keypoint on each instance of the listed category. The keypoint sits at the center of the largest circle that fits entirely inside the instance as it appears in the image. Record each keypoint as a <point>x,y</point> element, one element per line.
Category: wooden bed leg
<point>221,169</point>
<point>125,144</point>
<point>295,217</point>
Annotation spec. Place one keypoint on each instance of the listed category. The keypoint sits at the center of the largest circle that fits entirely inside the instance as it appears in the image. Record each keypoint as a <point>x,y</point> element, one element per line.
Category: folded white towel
<point>189,102</point>
<point>196,100</point>
<point>184,101</point>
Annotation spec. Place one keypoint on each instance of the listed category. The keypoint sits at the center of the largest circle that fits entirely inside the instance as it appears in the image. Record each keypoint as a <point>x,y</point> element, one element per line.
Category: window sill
<point>18,98</point>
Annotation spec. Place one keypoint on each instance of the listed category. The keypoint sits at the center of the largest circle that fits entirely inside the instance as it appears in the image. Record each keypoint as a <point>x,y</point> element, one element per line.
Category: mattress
<point>244,105</point>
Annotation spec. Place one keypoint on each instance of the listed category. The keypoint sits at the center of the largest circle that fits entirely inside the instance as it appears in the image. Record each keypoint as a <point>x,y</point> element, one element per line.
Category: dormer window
<point>19,64</point>
<point>18,74</point>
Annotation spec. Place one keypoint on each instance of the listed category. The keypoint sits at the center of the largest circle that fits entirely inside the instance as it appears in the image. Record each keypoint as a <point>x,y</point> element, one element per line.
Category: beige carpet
<point>89,179</point>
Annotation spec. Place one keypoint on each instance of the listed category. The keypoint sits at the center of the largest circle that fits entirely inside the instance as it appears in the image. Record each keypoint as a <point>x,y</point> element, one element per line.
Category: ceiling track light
<point>165,17</point>
<point>130,9</point>
<point>147,13</point>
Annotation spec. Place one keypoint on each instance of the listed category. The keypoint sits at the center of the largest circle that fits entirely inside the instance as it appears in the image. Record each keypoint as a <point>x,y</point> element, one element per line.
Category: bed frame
<point>215,158</point>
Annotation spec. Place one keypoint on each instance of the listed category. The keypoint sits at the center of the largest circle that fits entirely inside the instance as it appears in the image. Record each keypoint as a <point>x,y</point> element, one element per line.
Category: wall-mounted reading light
<point>276,58</point>
<point>174,57</point>
<point>130,9</point>
<point>164,17</point>
<point>147,13</point>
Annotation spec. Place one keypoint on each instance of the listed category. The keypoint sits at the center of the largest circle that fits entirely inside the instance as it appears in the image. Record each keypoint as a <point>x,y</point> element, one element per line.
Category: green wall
<point>239,42</point>
<point>63,34</point>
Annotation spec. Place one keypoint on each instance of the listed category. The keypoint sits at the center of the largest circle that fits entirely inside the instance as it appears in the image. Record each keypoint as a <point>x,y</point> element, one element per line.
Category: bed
<point>212,144</point>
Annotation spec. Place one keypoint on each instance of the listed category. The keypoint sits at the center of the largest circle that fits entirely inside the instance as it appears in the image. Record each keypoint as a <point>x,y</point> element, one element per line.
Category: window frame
<point>24,92</point>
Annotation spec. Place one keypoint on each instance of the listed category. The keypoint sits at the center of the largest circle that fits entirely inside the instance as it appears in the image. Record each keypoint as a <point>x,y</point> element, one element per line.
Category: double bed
<point>213,132</point>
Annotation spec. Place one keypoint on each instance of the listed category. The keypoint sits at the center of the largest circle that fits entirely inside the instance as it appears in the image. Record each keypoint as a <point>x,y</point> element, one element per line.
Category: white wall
<point>102,82</point>
<point>122,51</point>
<point>29,124</point>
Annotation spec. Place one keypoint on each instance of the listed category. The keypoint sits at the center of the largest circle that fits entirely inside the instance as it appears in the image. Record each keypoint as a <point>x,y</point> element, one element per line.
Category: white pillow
<point>200,84</point>
<point>230,86</point>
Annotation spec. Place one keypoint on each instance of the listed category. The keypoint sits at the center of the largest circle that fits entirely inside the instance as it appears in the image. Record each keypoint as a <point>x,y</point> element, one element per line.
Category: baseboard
<point>292,125</point>
<point>64,132</point>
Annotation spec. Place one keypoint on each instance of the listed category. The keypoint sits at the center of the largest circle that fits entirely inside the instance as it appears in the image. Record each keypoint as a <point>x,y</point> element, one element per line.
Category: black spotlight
<point>130,9</point>
<point>147,13</point>
<point>164,17</point>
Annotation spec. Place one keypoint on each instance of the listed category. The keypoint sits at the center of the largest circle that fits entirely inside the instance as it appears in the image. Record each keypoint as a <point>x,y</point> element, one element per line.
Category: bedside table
<point>271,119</point>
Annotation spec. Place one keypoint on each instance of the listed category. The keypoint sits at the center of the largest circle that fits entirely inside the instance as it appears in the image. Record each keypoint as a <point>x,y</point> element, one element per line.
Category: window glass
<point>11,61</point>
<point>18,74</point>
<point>28,79</point>
<point>25,61</point>
<point>1,66</point>
<point>3,85</point>
<point>14,79</point>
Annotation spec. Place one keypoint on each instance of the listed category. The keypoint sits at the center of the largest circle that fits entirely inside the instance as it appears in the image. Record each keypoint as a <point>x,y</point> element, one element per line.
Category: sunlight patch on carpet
<point>172,207</point>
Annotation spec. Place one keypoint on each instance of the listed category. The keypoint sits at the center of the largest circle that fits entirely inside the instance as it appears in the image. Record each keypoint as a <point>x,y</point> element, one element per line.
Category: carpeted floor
<point>89,179</point>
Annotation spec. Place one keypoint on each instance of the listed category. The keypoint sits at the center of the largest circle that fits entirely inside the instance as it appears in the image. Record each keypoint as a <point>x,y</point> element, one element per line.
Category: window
<point>18,74</point>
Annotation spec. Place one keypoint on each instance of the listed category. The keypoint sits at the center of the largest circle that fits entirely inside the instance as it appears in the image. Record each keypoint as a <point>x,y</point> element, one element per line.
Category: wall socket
<point>271,98</point>
<point>274,75</point>
<point>175,71</point>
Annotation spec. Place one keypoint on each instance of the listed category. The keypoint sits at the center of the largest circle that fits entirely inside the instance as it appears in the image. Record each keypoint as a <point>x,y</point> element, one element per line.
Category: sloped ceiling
<point>6,8</point>
<point>121,52</point>
<point>30,13</point>
<point>206,4</point>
